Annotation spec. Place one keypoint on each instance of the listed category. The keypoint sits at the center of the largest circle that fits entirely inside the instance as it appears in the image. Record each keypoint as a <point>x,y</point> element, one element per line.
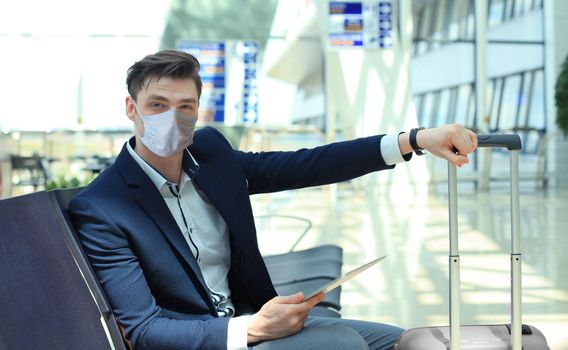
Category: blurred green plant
<point>63,182</point>
<point>561,98</point>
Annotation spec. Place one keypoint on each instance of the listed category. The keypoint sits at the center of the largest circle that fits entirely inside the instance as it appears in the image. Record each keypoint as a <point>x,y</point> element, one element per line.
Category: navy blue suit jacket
<point>145,266</point>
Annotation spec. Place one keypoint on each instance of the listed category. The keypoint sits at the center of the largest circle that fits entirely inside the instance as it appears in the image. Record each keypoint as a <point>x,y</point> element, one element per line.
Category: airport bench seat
<point>51,299</point>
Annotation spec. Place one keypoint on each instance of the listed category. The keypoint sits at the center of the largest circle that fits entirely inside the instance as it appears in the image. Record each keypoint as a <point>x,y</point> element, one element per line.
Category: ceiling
<point>218,20</point>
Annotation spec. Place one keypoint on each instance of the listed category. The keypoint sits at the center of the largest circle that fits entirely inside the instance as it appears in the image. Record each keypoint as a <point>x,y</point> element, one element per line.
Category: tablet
<point>326,288</point>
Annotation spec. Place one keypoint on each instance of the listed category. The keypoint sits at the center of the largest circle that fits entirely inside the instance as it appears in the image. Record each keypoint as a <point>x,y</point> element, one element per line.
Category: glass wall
<point>501,11</point>
<point>515,102</point>
<point>441,22</point>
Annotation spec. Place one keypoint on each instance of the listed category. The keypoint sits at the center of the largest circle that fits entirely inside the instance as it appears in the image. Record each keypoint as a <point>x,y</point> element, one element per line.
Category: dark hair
<point>167,63</point>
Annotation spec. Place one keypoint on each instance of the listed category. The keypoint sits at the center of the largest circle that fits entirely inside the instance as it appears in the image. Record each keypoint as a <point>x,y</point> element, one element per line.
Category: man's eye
<point>157,105</point>
<point>187,107</point>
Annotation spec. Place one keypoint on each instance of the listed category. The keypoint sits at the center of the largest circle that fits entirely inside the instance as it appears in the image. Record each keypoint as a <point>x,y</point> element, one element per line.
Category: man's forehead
<point>164,86</point>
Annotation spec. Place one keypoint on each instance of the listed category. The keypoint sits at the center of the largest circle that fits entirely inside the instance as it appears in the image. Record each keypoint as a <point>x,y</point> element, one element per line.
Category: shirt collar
<point>189,165</point>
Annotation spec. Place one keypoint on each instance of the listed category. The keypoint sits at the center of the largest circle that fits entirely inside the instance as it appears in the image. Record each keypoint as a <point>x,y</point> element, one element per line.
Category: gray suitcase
<point>481,336</point>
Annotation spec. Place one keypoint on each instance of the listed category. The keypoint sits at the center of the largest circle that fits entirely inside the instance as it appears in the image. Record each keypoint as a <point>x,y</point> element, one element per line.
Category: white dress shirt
<point>390,150</point>
<point>207,235</point>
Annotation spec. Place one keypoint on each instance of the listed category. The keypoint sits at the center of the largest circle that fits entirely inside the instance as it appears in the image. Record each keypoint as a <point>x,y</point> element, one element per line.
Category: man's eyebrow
<point>157,97</point>
<point>162,98</point>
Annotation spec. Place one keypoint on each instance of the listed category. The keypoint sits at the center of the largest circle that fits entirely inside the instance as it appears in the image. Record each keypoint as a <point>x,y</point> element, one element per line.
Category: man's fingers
<point>464,141</point>
<point>473,138</point>
<point>314,300</point>
<point>299,298</point>
<point>290,299</point>
<point>455,159</point>
<point>451,142</point>
<point>307,305</point>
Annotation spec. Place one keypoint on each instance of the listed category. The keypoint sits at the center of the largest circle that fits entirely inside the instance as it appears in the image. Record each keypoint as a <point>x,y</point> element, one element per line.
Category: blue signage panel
<point>216,59</point>
<point>211,56</point>
<point>385,24</point>
<point>340,7</point>
<point>249,50</point>
<point>346,24</point>
<point>360,24</point>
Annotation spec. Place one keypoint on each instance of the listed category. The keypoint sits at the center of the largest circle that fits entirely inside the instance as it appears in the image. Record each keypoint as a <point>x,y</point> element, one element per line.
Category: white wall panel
<point>453,64</point>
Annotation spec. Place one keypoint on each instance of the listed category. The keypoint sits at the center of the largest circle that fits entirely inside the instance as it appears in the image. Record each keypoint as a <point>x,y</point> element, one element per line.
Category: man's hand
<point>450,142</point>
<point>280,317</point>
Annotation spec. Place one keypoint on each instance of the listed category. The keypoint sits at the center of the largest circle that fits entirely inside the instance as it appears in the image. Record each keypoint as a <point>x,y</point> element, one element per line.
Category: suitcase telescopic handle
<point>513,143</point>
<point>510,141</point>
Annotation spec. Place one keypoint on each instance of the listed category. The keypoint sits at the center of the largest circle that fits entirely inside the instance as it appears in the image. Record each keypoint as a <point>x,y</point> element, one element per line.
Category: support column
<point>484,170</point>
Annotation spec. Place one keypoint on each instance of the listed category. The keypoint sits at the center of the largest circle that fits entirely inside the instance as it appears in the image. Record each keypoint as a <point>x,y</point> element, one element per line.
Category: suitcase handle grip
<point>509,141</point>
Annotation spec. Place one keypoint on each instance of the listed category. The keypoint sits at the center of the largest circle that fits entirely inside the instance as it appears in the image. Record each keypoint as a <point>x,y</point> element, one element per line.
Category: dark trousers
<point>337,334</point>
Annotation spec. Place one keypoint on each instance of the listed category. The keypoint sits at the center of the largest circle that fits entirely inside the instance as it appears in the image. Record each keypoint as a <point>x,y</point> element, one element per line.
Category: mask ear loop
<point>139,113</point>
<point>136,107</point>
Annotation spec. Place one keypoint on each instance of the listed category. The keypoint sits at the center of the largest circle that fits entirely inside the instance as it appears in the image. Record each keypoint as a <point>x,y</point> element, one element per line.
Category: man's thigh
<point>378,336</point>
<point>317,337</point>
<point>336,333</point>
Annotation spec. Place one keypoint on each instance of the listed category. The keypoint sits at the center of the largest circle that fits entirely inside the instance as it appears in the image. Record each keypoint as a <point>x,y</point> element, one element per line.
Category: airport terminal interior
<point>292,74</point>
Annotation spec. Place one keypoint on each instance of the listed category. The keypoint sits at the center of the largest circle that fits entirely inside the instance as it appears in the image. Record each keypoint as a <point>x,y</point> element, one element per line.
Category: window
<point>443,108</point>
<point>463,105</point>
<point>424,30</point>
<point>500,11</point>
<point>454,20</point>
<point>524,98</point>
<point>509,8</point>
<point>471,116</point>
<point>488,96</point>
<point>469,23</point>
<point>510,103</point>
<point>418,19</point>
<point>522,6</point>
<point>448,13</point>
<point>534,112</point>
<point>434,114</point>
<point>426,112</point>
<point>418,101</point>
<point>495,103</point>
<point>536,117</point>
<point>496,12</point>
<point>437,24</point>
<point>452,106</point>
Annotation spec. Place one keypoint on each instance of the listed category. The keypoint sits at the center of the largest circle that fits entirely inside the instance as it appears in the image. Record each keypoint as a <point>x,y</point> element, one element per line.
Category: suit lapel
<point>153,203</point>
<point>223,199</point>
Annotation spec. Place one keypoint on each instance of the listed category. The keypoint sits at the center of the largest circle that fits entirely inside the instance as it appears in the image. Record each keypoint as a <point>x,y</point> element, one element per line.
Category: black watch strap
<point>413,142</point>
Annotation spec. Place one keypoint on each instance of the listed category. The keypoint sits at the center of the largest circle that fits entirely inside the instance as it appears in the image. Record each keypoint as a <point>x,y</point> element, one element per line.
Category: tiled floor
<point>409,224</point>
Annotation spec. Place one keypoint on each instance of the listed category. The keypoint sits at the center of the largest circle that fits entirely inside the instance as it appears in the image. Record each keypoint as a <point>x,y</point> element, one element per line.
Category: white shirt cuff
<point>237,333</point>
<point>390,149</point>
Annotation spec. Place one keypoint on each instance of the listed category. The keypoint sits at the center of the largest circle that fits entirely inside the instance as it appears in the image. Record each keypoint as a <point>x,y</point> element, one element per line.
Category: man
<point>170,232</point>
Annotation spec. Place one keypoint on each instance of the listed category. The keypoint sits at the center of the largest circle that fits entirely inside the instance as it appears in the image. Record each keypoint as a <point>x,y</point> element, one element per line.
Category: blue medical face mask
<point>167,133</point>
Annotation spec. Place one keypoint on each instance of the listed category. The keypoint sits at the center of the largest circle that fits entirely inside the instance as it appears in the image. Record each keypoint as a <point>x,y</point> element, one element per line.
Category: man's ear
<point>130,108</point>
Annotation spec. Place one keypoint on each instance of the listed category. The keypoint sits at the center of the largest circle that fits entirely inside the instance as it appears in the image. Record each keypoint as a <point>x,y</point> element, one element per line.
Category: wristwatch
<point>413,143</point>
